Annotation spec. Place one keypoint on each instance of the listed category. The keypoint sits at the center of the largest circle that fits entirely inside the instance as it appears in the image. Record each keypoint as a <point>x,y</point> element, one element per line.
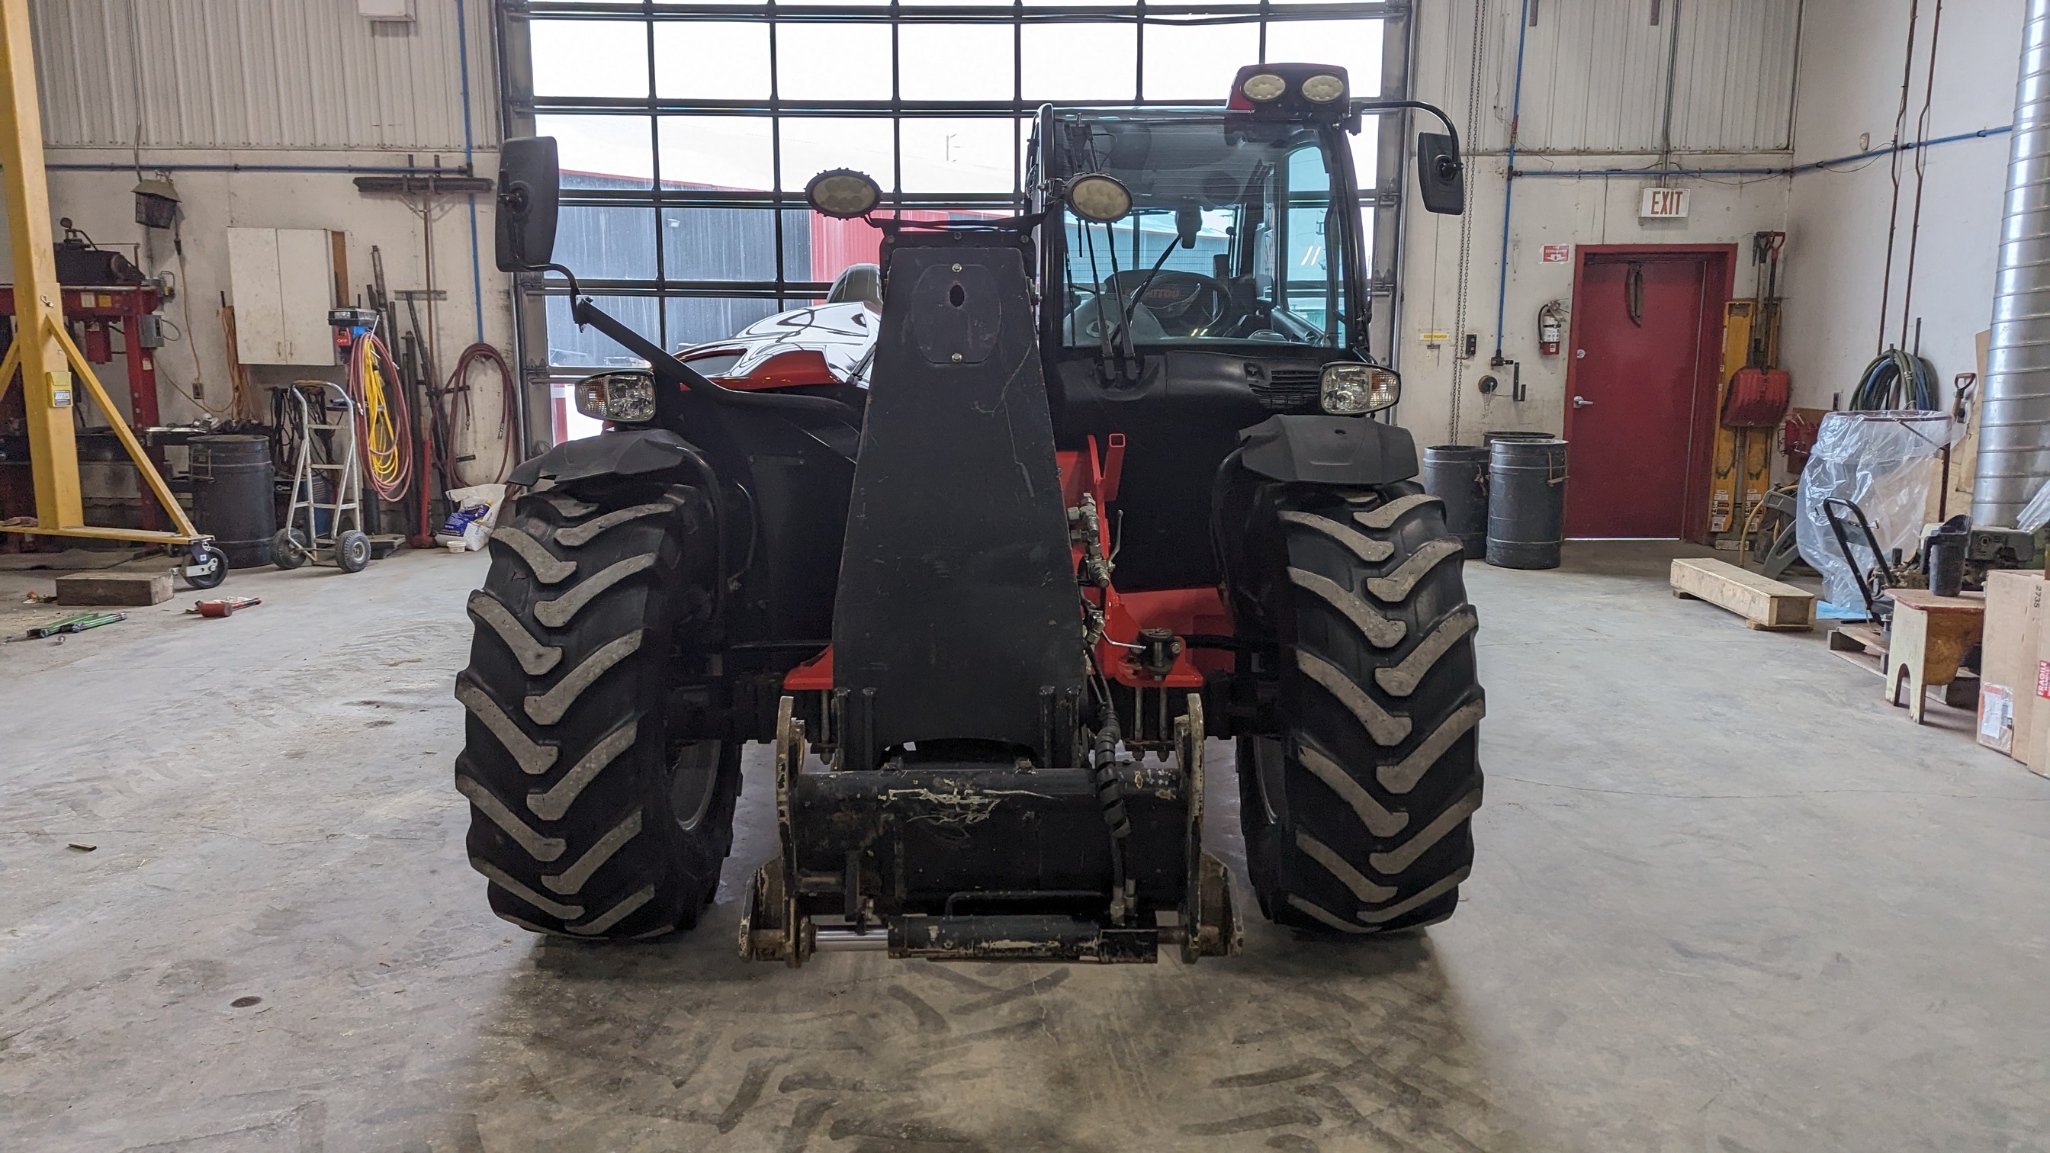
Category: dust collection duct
<point>2014,411</point>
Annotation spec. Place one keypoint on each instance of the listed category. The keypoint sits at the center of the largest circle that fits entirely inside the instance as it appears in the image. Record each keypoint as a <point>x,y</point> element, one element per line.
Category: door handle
<point>1582,402</point>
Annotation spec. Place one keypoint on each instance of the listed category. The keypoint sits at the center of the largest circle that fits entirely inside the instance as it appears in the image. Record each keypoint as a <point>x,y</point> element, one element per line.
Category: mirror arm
<point>574,291</point>
<point>1367,105</point>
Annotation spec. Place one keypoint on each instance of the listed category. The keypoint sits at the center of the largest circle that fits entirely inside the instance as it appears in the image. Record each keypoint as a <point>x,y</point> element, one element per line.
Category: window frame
<point>519,106</point>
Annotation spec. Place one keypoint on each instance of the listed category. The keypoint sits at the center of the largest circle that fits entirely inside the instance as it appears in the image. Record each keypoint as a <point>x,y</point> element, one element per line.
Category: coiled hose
<point>384,427</point>
<point>1896,379</point>
<point>460,414</point>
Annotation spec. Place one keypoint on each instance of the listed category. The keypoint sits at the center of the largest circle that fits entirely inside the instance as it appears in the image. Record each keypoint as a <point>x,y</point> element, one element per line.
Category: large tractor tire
<point>589,817</point>
<point>1356,814</point>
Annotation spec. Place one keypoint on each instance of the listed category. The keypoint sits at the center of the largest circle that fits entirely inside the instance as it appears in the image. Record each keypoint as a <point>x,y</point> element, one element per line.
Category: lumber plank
<point>1762,602</point>
<point>132,589</point>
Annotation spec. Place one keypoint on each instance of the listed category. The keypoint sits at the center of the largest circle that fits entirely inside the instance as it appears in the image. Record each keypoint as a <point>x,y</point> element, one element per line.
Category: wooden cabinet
<point>283,284</point>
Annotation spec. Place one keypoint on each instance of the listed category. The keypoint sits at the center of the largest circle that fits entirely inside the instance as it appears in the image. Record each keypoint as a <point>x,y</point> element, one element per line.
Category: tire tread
<point>1376,759</point>
<point>571,819</point>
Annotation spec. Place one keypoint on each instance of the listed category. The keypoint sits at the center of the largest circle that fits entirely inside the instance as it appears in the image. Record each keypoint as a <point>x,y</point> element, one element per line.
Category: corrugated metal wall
<point>1594,77</point>
<point>297,74</point>
<point>1735,86</point>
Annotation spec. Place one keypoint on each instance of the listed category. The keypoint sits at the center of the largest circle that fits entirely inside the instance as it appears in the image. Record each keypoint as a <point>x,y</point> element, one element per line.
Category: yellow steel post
<point>150,476</point>
<point>38,302</point>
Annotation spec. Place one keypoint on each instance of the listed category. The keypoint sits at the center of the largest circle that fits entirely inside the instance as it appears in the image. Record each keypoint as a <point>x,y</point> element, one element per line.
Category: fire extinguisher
<point>1551,327</point>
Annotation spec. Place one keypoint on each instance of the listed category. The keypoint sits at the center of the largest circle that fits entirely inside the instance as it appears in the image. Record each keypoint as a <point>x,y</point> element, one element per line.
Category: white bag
<point>474,513</point>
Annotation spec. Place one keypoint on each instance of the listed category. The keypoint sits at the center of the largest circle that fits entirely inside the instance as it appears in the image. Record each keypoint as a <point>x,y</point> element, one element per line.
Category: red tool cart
<point>97,313</point>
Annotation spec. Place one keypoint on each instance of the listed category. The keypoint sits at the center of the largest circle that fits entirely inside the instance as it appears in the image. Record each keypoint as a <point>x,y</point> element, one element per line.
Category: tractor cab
<point>1200,270</point>
<point>1241,238</point>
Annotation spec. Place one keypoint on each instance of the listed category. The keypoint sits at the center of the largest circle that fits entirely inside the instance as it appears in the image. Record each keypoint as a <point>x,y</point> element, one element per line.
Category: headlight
<point>843,194</point>
<point>622,397</point>
<point>1323,88</point>
<point>1261,87</point>
<point>1349,389</point>
<point>1099,198</point>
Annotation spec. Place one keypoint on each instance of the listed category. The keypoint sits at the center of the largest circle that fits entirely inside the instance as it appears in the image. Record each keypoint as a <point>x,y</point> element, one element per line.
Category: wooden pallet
<point>1865,646</point>
<point>1762,602</point>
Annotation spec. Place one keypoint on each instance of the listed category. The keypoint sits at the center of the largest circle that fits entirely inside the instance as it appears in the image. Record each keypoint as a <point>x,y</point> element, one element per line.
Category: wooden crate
<point>1763,603</point>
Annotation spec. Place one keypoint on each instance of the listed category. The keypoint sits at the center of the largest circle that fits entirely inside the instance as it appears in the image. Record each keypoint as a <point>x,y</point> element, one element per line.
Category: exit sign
<point>1663,204</point>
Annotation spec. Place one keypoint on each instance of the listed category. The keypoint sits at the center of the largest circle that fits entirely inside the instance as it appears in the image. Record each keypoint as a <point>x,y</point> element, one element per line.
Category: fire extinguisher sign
<point>1558,253</point>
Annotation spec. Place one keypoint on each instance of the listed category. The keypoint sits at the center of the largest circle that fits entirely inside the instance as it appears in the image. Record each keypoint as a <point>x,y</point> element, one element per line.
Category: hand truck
<point>347,549</point>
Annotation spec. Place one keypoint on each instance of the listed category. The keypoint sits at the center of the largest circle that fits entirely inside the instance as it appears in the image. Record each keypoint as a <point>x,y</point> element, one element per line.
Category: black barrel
<point>1458,475</point>
<point>1526,503</point>
<point>232,496</point>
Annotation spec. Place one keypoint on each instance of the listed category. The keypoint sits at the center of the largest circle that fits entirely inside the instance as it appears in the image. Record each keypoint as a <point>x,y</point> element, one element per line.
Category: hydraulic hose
<point>462,412</point>
<point>1110,793</point>
<point>1895,379</point>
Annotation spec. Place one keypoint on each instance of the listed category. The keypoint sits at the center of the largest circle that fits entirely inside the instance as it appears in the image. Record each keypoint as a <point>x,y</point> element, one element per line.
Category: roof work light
<point>1290,91</point>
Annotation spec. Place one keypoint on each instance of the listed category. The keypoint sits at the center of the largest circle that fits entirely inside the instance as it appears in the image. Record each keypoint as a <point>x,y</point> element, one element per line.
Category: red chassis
<point>1188,612</point>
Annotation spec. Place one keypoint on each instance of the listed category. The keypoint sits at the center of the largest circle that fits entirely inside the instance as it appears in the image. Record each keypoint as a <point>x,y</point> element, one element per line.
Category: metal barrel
<point>1526,503</point>
<point>1458,475</point>
<point>232,496</point>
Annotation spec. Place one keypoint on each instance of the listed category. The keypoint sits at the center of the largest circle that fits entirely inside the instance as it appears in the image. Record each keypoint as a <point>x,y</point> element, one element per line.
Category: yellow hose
<point>382,420</point>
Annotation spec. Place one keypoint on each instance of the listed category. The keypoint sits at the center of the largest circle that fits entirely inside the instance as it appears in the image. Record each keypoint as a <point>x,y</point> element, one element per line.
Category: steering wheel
<point>1185,303</point>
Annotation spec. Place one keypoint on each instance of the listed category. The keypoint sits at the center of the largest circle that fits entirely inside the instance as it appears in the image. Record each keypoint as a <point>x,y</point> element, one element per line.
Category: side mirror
<point>529,185</point>
<point>1441,175</point>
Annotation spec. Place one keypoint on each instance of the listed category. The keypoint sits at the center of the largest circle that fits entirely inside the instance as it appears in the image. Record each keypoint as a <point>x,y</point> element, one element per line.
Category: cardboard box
<point>2009,664</point>
<point>2039,748</point>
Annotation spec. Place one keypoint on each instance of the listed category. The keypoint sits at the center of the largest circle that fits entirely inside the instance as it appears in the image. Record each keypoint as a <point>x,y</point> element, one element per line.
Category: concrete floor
<point>1726,900</point>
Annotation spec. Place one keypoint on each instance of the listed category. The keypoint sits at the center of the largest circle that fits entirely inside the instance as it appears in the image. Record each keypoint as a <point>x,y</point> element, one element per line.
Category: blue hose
<point>1896,379</point>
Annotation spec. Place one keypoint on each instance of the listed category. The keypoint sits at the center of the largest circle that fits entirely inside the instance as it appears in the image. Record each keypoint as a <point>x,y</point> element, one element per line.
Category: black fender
<point>616,452</point>
<point>638,452</point>
<point>1335,450</point>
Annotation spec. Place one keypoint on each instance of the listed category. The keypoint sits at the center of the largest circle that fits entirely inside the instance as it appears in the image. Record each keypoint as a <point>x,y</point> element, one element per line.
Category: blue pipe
<point>1509,185</point>
<point>1906,147</point>
<point>469,162</point>
<point>1793,170</point>
<point>1528,173</point>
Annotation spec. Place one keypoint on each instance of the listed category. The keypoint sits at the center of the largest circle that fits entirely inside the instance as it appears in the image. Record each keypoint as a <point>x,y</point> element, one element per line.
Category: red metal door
<point>1646,336</point>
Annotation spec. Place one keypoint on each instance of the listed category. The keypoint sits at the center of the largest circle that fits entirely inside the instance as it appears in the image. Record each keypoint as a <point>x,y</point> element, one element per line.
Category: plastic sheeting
<point>1880,461</point>
<point>2036,513</point>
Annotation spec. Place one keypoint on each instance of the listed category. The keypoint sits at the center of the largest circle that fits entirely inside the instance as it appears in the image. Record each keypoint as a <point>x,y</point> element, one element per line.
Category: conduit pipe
<point>1509,183</point>
<point>2014,410</point>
